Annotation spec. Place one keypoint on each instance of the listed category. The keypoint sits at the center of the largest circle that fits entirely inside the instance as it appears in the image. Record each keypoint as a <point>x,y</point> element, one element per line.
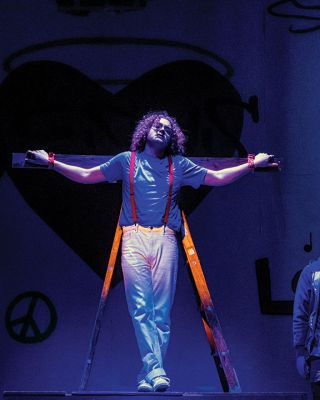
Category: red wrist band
<point>51,159</point>
<point>251,160</point>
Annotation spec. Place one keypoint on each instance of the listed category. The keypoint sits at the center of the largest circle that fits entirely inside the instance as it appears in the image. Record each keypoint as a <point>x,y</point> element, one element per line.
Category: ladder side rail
<point>101,306</point>
<point>210,316</point>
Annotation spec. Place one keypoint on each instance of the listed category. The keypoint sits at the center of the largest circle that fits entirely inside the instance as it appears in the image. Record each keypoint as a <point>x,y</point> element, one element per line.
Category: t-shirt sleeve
<point>192,174</point>
<point>113,169</point>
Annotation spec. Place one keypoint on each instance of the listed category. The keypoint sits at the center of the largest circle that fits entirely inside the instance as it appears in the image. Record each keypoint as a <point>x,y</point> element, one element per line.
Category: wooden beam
<point>89,161</point>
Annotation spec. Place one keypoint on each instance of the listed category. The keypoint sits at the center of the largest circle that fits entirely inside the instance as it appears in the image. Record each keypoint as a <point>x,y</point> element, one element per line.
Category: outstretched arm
<point>76,174</point>
<point>229,175</point>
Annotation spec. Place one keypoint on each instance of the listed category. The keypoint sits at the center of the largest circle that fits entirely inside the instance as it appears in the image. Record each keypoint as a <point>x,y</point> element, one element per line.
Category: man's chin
<point>158,144</point>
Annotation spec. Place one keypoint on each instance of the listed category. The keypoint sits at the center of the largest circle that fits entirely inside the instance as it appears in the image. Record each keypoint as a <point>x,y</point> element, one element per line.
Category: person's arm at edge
<point>300,321</point>
<point>301,312</point>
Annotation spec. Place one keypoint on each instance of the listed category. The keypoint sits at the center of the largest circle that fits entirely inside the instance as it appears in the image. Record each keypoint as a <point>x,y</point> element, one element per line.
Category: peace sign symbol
<point>38,319</point>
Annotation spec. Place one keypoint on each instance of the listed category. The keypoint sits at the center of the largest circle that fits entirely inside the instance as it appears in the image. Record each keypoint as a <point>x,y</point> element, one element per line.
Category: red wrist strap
<point>51,159</point>
<point>251,160</point>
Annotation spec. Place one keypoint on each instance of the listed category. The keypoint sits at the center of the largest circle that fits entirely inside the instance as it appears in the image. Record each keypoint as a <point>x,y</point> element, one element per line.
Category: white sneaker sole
<point>145,388</point>
<point>161,387</point>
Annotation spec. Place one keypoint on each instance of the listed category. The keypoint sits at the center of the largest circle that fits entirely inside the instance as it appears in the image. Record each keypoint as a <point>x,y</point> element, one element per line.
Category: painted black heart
<point>53,106</point>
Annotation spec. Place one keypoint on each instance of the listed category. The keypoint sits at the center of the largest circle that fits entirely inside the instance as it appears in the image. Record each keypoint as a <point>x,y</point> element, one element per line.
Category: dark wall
<point>76,106</point>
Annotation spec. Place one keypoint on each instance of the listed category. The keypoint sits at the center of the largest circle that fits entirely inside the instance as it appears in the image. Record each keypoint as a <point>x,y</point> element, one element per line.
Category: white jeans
<point>149,264</point>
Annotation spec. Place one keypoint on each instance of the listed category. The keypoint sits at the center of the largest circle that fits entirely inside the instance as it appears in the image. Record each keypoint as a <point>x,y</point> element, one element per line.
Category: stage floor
<point>12,395</point>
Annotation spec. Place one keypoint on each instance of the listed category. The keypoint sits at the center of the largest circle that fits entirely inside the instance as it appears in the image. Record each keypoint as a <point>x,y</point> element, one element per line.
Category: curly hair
<point>139,136</point>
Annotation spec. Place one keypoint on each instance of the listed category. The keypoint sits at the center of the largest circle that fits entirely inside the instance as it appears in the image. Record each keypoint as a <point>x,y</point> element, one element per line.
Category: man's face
<point>160,134</point>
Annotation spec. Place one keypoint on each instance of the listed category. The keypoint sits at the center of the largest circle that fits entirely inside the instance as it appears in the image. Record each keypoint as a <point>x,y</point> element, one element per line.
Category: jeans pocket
<point>127,235</point>
<point>170,238</point>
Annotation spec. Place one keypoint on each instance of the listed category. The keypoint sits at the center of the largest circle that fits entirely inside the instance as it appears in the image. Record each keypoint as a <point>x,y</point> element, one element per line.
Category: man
<point>152,174</point>
<point>306,327</point>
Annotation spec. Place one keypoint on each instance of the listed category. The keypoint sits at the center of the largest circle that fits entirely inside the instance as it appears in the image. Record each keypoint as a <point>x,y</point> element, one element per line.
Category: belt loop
<point>164,229</point>
<point>136,227</point>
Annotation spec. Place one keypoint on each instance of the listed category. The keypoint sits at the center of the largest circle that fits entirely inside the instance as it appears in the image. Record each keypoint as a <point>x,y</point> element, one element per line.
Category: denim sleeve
<point>301,312</point>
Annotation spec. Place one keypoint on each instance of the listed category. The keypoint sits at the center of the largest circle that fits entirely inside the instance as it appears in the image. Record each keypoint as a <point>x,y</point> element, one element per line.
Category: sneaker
<point>160,383</point>
<point>144,386</point>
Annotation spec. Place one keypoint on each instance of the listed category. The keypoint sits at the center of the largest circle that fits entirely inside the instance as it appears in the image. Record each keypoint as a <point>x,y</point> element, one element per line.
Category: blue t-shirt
<point>151,186</point>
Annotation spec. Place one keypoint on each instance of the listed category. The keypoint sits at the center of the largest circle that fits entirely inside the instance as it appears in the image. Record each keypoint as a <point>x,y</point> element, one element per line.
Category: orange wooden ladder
<point>219,350</point>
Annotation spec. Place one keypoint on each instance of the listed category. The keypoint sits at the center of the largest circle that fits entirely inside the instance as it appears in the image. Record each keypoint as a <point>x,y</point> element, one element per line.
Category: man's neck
<point>152,151</point>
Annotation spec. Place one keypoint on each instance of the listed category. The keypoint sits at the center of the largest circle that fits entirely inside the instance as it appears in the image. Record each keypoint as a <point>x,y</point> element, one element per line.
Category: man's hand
<point>37,157</point>
<point>263,160</point>
<point>228,175</point>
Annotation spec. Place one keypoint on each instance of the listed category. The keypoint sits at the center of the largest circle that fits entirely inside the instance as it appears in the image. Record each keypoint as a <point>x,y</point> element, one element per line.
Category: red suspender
<point>133,204</point>
<point>166,215</point>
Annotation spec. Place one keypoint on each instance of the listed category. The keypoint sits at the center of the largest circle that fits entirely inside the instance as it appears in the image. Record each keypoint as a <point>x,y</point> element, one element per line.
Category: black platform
<point>11,395</point>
